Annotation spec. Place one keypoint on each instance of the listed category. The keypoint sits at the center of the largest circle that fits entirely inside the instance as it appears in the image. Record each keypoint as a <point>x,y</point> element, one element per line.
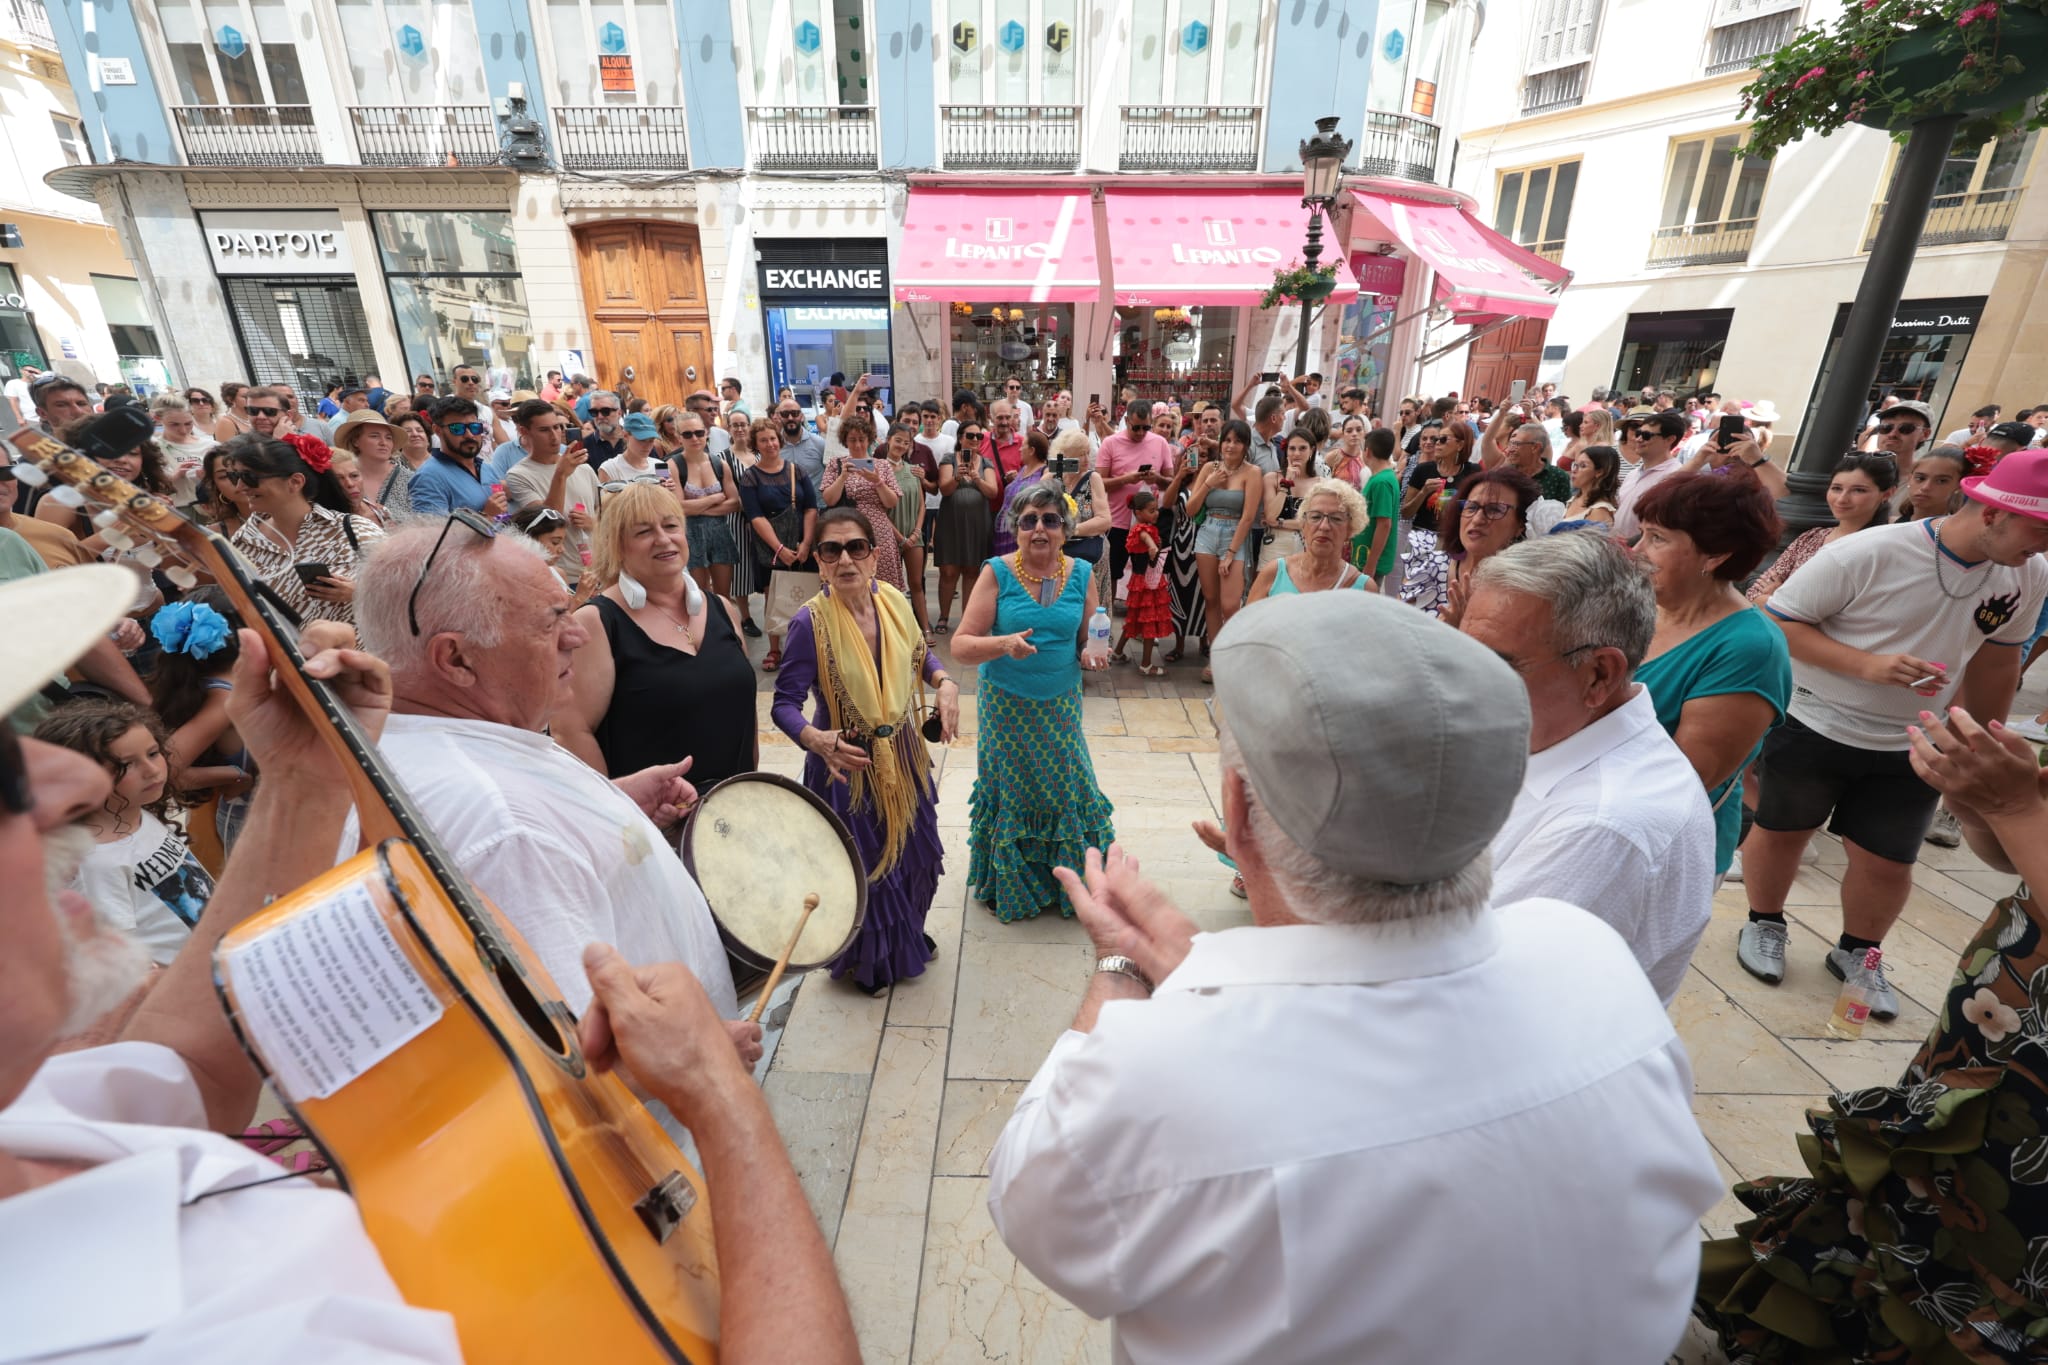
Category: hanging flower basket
<point>1893,63</point>
<point>1297,283</point>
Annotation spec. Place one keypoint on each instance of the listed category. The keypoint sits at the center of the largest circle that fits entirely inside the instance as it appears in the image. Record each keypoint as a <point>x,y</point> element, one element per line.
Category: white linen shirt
<point>1371,1143</point>
<point>1614,820</point>
<point>152,1254</point>
<point>565,854</point>
<point>1642,480</point>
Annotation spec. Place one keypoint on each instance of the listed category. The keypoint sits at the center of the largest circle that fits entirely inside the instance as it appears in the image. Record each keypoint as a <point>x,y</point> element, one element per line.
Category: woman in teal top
<point>1718,669</point>
<point>1035,804</point>
<point>1331,513</point>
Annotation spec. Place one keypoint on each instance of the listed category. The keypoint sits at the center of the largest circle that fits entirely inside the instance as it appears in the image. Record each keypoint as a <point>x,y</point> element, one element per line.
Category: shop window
<point>1181,354</point>
<point>1012,52</point>
<point>232,52</point>
<point>1678,351</point>
<point>457,294</point>
<point>1196,52</point>
<point>413,51</point>
<point>302,332</point>
<point>1032,342</point>
<point>615,52</point>
<point>807,52</point>
<point>1534,206</point>
<point>19,343</point>
<point>136,348</point>
<point>71,141</point>
<point>1923,352</point>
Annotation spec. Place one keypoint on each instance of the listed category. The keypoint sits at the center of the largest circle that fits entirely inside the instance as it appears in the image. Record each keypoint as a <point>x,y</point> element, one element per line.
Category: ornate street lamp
<point>1322,168</point>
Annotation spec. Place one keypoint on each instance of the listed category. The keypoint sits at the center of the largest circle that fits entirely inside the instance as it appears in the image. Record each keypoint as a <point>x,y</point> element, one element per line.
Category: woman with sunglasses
<point>1443,457</point>
<point>205,412</point>
<point>858,655</point>
<point>304,538</point>
<point>662,674</point>
<point>1859,493</point>
<point>710,494</point>
<point>1490,513</point>
<point>142,466</point>
<point>223,501</point>
<point>1036,805</point>
<point>782,512</point>
<point>969,485</point>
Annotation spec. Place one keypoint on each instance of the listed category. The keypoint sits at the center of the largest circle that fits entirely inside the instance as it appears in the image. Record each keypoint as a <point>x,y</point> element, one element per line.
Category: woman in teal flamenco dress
<point>1035,805</point>
<point>1920,1232</point>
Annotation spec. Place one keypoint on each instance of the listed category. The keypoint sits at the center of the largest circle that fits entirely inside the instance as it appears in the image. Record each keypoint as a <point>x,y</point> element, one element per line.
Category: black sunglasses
<point>475,522</point>
<point>1031,521</point>
<point>266,412</point>
<point>830,550</point>
<point>694,435</point>
<point>604,412</point>
<point>248,478</point>
<point>1887,428</point>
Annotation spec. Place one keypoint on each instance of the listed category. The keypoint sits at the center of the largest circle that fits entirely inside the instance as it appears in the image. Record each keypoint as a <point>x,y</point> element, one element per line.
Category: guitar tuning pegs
<point>182,577</point>
<point>31,475</point>
<point>106,520</point>
<point>65,495</point>
<point>148,556</point>
<point>118,538</point>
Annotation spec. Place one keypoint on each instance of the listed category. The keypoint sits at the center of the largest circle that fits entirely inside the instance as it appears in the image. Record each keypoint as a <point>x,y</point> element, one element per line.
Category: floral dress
<point>866,496</point>
<point>1920,1232</point>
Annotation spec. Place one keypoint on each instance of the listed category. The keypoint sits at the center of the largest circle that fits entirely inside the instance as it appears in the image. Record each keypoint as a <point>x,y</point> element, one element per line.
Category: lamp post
<point>1322,165</point>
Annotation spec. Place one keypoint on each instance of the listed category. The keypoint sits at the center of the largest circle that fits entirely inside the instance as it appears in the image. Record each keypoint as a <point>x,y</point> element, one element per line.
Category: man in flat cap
<point>1388,1120</point>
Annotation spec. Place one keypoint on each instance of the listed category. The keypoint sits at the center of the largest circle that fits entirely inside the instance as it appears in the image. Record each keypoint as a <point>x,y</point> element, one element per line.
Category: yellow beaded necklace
<point>1037,582</point>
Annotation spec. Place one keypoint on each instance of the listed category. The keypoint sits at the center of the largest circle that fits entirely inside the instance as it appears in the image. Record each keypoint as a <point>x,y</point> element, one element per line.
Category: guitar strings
<point>252,1184</point>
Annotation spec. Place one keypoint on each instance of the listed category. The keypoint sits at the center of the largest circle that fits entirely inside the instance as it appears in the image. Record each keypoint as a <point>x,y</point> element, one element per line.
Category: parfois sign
<point>283,243</point>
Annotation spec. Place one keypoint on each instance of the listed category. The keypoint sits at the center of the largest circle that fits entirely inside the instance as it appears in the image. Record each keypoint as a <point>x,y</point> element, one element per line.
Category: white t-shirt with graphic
<point>148,885</point>
<point>1879,590</point>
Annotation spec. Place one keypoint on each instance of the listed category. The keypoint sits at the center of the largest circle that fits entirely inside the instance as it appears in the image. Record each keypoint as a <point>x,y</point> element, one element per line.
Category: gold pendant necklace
<point>1038,581</point>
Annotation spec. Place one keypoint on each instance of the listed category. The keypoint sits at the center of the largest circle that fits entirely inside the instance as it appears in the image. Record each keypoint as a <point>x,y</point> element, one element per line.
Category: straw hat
<point>346,429</point>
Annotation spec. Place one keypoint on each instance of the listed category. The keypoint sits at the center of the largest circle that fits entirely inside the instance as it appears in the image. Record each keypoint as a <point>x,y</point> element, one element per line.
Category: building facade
<point>1619,153</point>
<point>69,299</point>
<point>666,192</point>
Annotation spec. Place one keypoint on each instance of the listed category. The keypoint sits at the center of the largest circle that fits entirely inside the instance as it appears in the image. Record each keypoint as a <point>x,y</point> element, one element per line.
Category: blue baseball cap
<point>641,427</point>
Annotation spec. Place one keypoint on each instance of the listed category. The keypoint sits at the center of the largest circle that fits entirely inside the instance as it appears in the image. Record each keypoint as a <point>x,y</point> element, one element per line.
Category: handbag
<point>788,525</point>
<point>788,591</point>
<point>1088,548</point>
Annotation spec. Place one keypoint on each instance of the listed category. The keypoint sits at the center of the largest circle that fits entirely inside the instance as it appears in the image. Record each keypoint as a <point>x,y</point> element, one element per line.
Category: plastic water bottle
<point>1852,1006</point>
<point>1098,635</point>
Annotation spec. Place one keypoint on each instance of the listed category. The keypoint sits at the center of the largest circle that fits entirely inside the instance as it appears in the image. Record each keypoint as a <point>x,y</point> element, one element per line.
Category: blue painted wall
<point>1322,63</point>
<point>126,122</point>
<point>711,84</point>
<point>506,32</point>
<point>903,84</point>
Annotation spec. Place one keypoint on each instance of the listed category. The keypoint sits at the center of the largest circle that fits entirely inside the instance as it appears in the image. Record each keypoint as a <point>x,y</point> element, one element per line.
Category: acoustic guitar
<point>427,1053</point>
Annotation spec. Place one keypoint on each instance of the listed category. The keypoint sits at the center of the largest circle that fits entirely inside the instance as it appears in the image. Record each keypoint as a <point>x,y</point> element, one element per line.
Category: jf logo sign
<point>611,39</point>
<point>808,38</point>
<point>1010,37</point>
<point>966,37</point>
<point>412,44</point>
<point>1194,38</point>
<point>231,42</point>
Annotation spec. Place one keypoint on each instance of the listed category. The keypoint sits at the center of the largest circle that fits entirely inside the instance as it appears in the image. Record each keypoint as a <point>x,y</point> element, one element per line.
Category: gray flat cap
<point>1384,742</point>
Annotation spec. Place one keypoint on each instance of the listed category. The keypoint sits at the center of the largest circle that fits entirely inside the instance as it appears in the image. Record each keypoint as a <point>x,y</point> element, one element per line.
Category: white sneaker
<point>1760,948</point>
<point>1945,832</point>
<point>1735,868</point>
<point>2029,729</point>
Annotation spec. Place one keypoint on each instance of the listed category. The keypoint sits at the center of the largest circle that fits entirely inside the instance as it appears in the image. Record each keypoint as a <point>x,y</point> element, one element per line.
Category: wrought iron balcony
<point>1738,46</point>
<point>1189,137</point>
<point>247,134</point>
<point>1011,137</point>
<point>1552,252</point>
<point>1978,216</point>
<point>621,137</point>
<point>1398,145</point>
<point>812,137</point>
<point>1723,243</point>
<point>31,21</point>
<point>426,134</point>
<point>1559,88</point>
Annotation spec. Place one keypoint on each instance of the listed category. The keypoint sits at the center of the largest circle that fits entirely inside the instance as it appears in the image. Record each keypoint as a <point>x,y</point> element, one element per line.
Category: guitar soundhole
<point>531,1013</point>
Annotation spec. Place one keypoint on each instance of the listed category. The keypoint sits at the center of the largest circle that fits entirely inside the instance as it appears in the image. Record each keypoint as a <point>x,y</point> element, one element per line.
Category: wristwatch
<point>1117,962</point>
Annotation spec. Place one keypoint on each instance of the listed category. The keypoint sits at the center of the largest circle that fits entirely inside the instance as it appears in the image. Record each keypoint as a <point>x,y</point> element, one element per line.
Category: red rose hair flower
<point>312,450</point>
<point>1982,458</point>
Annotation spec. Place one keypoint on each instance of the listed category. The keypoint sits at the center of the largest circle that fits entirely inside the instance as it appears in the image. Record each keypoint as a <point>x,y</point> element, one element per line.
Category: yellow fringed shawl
<point>880,702</point>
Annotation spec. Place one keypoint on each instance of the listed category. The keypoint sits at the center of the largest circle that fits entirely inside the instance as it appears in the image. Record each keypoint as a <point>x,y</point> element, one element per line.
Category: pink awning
<point>1170,247</point>
<point>1478,271</point>
<point>998,246</point>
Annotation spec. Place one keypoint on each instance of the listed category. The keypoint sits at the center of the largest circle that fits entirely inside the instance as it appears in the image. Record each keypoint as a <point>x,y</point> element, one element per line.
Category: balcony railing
<point>426,134</point>
<point>1723,243</point>
<point>1398,145</point>
<point>1011,137</point>
<point>621,137</point>
<point>1560,88</point>
<point>1190,137</point>
<point>247,134</point>
<point>813,137</point>
<point>1737,46</point>
<point>1552,252</point>
<point>31,21</point>
<point>1982,216</point>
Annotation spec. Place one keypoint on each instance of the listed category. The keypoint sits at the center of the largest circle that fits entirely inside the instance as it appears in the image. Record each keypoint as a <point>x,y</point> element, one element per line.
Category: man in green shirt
<point>1375,548</point>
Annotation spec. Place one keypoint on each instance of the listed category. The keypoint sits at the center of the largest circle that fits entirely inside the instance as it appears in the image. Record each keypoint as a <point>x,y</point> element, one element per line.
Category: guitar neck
<point>383,810</point>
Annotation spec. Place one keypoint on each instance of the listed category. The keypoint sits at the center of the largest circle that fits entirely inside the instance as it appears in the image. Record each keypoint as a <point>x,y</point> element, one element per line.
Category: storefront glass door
<point>456,294</point>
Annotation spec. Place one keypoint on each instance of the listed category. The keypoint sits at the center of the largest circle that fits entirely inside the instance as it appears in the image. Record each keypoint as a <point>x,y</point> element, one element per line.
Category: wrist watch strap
<point>1117,962</point>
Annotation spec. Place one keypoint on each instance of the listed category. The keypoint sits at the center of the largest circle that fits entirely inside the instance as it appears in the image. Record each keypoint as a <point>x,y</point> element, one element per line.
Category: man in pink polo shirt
<point>1129,459</point>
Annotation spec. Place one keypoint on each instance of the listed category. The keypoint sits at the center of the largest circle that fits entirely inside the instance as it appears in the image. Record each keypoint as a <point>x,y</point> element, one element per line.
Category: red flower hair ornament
<point>1982,458</point>
<point>312,450</point>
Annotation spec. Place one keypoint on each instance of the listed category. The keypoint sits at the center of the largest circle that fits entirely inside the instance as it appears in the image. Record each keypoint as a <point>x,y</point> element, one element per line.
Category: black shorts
<point>1875,798</point>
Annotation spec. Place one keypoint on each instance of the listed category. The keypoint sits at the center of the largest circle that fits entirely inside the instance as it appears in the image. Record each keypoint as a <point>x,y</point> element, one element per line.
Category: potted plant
<point>1297,283</point>
<point>1893,63</point>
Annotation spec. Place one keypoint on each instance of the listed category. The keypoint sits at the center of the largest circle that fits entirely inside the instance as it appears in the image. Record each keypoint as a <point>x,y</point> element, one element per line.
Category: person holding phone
<point>969,485</point>
<point>1228,490</point>
<point>857,479</point>
<point>302,537</point>
<point>1130,457</point>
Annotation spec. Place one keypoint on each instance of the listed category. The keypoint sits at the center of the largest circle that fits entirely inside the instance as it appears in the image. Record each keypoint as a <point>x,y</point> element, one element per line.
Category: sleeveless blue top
<point>1056,668</point>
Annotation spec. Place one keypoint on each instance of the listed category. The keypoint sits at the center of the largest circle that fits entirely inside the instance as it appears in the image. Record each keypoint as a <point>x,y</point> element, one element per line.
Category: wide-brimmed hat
<point>52,619</point>
<point>2017,483</point>
<point>1763,414</point>
<point>345,430</point>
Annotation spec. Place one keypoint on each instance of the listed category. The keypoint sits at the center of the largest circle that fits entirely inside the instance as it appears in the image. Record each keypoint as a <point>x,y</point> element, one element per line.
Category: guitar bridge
<point>666,1205</point>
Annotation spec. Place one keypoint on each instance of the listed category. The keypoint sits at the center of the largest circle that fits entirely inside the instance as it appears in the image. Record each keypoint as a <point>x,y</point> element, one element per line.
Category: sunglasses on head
<point>545,520</point>
<point>464,428</point>
<point>857,548</point>
<point>475,522</point>
<point>266,412</point>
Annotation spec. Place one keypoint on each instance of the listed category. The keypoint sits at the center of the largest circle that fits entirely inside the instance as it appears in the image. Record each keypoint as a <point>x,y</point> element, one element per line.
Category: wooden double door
<point>644,286</point>
<point>1501,357</point>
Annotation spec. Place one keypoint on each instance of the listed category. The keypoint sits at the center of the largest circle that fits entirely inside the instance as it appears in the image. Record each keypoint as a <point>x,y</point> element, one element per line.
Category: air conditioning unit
<point>525,147</point>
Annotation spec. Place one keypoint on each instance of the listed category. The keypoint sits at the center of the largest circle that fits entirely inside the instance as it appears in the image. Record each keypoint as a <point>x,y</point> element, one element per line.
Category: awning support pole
<point>917,327</point>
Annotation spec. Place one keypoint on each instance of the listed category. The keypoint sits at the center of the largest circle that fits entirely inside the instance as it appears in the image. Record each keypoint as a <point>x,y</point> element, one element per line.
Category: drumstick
<point>775,977</point>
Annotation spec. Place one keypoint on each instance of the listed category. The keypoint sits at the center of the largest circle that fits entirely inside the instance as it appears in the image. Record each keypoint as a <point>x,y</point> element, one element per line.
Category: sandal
<point>772,661</point>
<point>1175,656</point>
<point>1237,887</point>
<point>1152,670</point>
<point>942,626</point>
<point>271,1136</point>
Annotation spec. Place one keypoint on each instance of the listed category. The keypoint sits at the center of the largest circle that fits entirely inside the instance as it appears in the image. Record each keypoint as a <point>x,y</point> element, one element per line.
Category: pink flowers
<point>1812,75</point>
<point>1987,10</point>
<point>1863,75</point>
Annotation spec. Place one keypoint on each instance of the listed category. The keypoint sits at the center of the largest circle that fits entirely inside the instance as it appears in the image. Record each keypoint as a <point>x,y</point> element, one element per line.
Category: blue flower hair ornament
<point>190,628</point>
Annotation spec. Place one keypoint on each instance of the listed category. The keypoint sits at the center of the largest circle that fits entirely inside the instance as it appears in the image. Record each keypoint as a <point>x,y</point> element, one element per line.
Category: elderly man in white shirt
<point>1318,1137</point>
<point>1611,816</point>
<point>479,659</point>
<point>133,1227</point>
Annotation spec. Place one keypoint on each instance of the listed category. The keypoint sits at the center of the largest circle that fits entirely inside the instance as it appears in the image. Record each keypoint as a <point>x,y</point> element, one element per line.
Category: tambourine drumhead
<point>757,845</point>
